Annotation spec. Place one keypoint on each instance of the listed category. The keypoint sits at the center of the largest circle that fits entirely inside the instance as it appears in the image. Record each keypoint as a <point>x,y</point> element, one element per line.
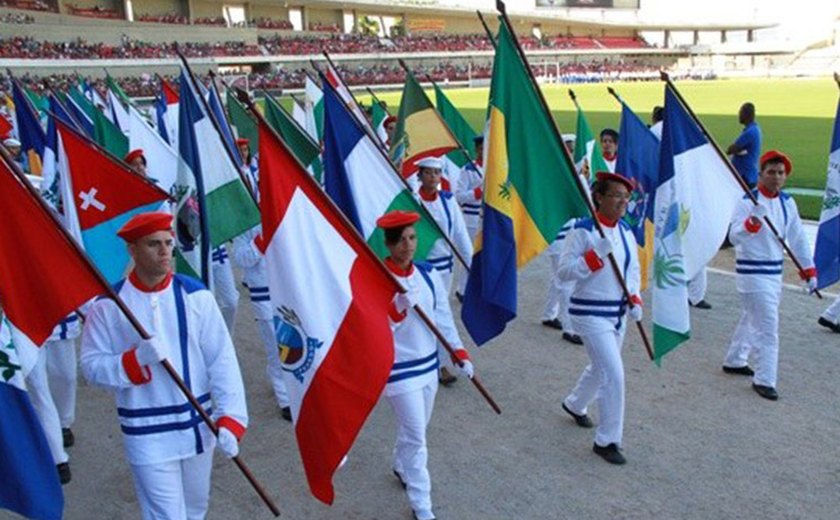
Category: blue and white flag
<point>827,251</point>
<point>696,194</point>
<point>638,159</point>
<point>27,469</point>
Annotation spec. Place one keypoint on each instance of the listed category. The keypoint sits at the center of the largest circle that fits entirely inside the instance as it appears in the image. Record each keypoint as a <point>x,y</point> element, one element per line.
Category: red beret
<point>134,154</point>
<point>389,120</point>
<point>397,218</point>
<point>779,156</point>
<point>607,176</point>
<point>145,224</point>
<point>241,141</point>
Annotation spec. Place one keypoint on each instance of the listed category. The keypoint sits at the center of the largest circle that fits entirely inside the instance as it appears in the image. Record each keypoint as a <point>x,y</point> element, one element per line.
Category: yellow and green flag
<point>420,131</point>
<point>529,195</point>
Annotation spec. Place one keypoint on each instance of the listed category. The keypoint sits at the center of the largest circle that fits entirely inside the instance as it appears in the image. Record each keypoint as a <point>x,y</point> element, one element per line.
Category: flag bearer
<point>759,259</point>
<point>598,310</point>
<point>469,192</point>
<point>412,386</point>
<point>444,209</point>
<point>609,147</point>
<point>169,448</point>
<point>61,368</point>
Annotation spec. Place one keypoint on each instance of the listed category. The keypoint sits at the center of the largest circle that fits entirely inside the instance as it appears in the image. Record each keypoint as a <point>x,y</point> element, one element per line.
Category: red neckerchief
<point>136,282</point>
<point>609,157</point>
<point>768,194</point>
<point>605,221</point>
<point>397,270</point>
<point>428,197</point>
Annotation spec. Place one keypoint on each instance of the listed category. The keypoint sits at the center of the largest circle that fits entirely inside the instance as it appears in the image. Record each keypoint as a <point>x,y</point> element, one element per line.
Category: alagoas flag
<point>420,131</point>
<point>827,250</point>
<point>105,194</point>
<point>361,181</point>
<point>695,197</point>
<point>530,193</point>
<point>27,469</point>
<point>334,79</point>
<point>336,357</point>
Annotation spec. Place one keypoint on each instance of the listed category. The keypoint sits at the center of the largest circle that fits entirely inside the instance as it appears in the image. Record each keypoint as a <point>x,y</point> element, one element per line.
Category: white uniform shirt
<point>255,278</point>
<point>759,258</point>
<point>470,178</point>
<point>598,303</point>
<point>157,421</point>
<point>415,346</point>
<point>450,219</point>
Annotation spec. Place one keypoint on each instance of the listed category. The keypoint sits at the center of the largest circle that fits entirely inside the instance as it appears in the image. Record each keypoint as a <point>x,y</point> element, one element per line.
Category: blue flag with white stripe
<point>827,250</point>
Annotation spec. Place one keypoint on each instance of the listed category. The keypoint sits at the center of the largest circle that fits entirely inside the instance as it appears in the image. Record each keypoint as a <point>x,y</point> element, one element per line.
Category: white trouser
<point>757,334</point>
<point>414,410</point>
<point>603,378</point>
<point>177,490</point>
<point>273,367</point>
<point>443,354</point>
<point>61,369</point>
<point>42,401</point>
<point>461,274</point>
<point>557,297</point>
<point>832,314</point>
<point>224,289</point>
<point>697,287</point>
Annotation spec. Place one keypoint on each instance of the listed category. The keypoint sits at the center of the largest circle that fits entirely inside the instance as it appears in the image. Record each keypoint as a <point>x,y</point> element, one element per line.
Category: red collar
<point>428,197</point>
<point>605,221</point>
<point>767,194</point>
<point>397,270</point>
<point>136,282</point>
<point>609,157</point>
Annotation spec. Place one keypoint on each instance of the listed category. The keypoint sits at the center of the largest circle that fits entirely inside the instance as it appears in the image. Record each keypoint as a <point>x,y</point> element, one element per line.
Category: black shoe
<point>610,453</point>
<point>416,517</point>
<point>64,475</point>
<point>581,420</point>
<point>399,477</point>
<point>553,324</point>
<point>459,297</point>
<point>741,371</point>
<point>286,413</point>
<point>702,304</point>
<point>572,338</point>
<point>67,437</point>
<point>767,392</point>
<point>834,327</point>
<point>445,377</point>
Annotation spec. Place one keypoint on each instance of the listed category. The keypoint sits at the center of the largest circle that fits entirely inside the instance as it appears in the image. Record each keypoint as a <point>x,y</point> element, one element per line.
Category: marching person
<point>609,147</point>
<point>61,367</point>
<point>759,259</point>
<point>168,446</point>
<point>598,310</point>
<point>469,192</point>
<point>831,317</point>
<point>444,209</point>
<point>412,385</point>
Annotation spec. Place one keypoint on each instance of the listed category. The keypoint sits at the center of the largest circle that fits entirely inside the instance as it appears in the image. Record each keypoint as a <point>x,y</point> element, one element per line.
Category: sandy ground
<point>700,443</point>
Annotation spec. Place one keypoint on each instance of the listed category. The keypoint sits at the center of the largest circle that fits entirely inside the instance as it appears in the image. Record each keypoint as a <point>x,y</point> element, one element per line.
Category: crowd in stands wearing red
<point>94,12</point>
<point>17,18</point>
<point>31,5</point>
<point>170,18</point>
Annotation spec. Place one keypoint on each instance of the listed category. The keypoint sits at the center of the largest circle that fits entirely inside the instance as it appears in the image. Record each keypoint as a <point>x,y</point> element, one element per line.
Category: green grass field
<point>796,115</point>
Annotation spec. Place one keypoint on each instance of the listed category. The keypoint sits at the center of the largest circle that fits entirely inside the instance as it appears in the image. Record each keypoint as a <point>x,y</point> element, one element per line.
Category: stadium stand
<point>31,5</point>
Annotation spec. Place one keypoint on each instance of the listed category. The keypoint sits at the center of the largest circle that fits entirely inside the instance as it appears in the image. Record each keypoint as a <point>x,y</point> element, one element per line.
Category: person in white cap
<point>13,146</point>
<point>168,446</point>
<point>446,212</point>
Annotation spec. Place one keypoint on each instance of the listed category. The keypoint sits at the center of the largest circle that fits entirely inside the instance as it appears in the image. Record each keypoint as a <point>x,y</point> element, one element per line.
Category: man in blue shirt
<point>746,149</point>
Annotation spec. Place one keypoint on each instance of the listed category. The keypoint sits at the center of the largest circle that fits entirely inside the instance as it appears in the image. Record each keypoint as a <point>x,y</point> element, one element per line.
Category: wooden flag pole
<point>670,84</point>
<point>243,98</point>
<point>135,323</point>
<point>571,165</point>
<point>395,170</point>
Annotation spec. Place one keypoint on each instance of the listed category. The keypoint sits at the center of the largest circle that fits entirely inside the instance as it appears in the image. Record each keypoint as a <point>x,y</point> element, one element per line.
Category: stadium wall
<point>159,7</point>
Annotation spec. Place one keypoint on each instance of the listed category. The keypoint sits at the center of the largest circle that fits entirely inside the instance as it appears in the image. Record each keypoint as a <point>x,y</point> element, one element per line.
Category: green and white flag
<point>301,145</point>
<point>314,108</point>
<point>588,148</point>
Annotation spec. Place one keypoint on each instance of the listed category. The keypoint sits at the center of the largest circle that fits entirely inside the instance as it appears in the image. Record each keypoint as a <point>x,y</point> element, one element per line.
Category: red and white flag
<point>42,276</point>
<point>330,296</point>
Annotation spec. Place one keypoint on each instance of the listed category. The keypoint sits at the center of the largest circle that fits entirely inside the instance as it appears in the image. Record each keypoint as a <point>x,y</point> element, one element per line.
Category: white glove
<point>151,351</point>
<point>812,285</point>
<point>758,211</point>
<point>406,300</point>
<point>466,368</point>
<point>636,312</point>
<point>227,442</point>
<point>602,247</point>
